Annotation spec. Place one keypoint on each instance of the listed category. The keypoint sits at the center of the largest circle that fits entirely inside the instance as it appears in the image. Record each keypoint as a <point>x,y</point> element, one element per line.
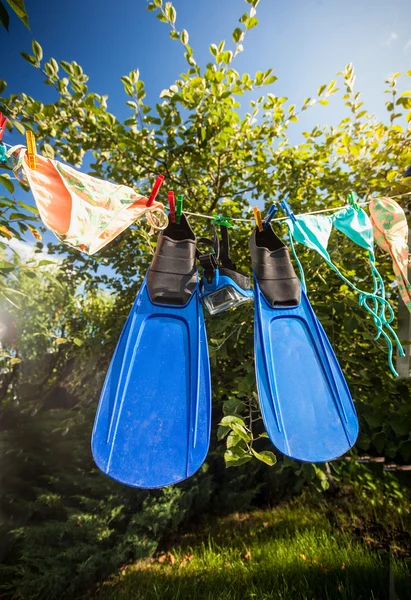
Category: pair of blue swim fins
<point>152,426</point>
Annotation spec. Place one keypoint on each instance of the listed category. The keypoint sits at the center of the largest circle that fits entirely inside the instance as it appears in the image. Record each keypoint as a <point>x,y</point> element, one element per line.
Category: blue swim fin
<point>305,402</point>
<point>152,426</point>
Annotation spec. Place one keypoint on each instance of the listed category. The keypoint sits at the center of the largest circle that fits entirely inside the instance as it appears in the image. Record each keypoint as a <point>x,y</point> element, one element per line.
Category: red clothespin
<point>3,121</point>
<point>155,189</point>
<point>172,206</point>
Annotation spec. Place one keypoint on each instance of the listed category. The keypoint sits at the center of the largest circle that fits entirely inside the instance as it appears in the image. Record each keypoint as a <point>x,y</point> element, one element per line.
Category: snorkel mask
<point>223,286</point>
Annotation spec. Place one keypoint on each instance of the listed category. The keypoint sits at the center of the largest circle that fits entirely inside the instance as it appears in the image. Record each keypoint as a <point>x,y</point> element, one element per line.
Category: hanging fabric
<point>82,211</point>
<point>391,234</point>
<point>314,232</point>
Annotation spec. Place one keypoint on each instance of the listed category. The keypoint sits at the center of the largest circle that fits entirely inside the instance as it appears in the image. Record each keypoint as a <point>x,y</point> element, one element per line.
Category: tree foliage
<point>17,6</point>
<point>221,137</point>
<point>225,151</point>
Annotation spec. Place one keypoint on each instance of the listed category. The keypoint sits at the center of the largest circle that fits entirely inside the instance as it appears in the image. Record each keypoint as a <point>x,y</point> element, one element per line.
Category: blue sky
<point>305,41</point>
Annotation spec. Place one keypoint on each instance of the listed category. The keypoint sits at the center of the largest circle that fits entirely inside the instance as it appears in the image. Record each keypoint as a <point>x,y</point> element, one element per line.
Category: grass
<point>302,550</point>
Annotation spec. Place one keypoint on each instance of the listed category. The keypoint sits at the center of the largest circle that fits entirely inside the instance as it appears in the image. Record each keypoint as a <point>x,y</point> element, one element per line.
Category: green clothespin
<point>3,157</point>
<point>221,220</point>
<point>179,208</point>
<point>353,200</point>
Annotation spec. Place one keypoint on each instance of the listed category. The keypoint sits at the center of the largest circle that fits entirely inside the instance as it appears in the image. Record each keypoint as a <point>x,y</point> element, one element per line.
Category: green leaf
<point>236,462</point>
<point>78,342</point>
<point>37,50</point>
<point>184,37</point>
<point>267,457</point>
<point>4,16</point>
<point>251,22</point>
<point>53,280</point>
<point>170,12</point>
<point>60,340</point>
<point>48,151</point>
<point>2,293</point>
<point>3,84</point>
<point>174,35</point>
<point>15,361</point>
<point>158,3</point>
<point>222,431</point>
<point>230,420</point>
<point>13,291</point>
<point>4,264</point>
<point>30,273</point>
<point>7,183</point>
<point>31,209</point>
<point>237,33</point>
<point>151,7</point>
<point>20,128</point>
<point>233,405</point>
<point>405,102</point>
<point>241,432</point>
<point>236,456</point>
<point>45,262</point>
<point>55,65</point>
<point>4,201</point>
<point>20,10</point>
<point>233,440</point>
<point>66,66</point>
<point>30,59</point>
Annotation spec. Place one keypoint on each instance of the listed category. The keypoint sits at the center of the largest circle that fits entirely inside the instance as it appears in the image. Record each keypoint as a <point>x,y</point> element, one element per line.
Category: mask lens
<point>224,299</point>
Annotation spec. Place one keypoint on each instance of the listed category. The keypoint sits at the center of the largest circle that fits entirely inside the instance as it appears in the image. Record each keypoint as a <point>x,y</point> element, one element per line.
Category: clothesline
<point>315,212</point>
<point>251,220</point>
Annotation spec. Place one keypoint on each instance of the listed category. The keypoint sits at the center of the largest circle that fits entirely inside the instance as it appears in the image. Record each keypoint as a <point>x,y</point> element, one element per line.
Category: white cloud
<point>27,251</point>
<point>407,46</point>
<point>391,38</point>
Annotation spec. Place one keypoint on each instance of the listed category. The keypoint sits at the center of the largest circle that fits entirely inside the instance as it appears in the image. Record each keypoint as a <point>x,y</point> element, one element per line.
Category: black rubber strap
<point>209,260</point>
<point>221,260</point>
<point>225,249</point>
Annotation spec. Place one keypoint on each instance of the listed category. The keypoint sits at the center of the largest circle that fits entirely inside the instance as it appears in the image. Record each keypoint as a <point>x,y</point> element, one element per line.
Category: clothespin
<point>31,149</point>
<point>3,157</point>
<point>224,221</point>
<point>271,212</point>
<point>287,209</point>
<point>179,210</point>
<point>172,205</point>
<point>352,199</point>
<point>3,121</point>
<point>155,189</point>
<point>257,216</point>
